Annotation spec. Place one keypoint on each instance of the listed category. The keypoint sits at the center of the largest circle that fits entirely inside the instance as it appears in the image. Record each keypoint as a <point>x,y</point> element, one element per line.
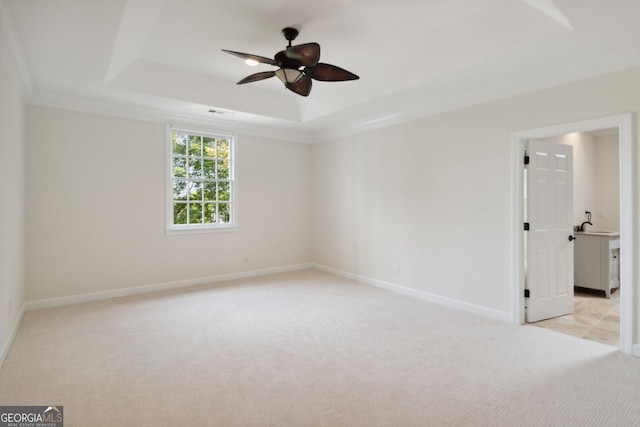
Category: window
<point>201,183</point>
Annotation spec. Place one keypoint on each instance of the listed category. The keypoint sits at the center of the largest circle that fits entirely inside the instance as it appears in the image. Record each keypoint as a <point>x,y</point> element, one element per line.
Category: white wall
<point>12,196</point>
<point>96,208</point>
<point>433,196</point>
<point>596,172</point>
<point>608,182</point>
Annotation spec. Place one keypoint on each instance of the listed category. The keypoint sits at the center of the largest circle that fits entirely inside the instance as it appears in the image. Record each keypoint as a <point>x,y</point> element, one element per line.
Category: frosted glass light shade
<point>288,75</point>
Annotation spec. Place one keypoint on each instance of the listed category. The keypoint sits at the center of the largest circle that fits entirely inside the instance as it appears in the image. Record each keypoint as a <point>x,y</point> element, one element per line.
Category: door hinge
<point>526,226</point>
<point>526,160</point>
<point>526,293</point>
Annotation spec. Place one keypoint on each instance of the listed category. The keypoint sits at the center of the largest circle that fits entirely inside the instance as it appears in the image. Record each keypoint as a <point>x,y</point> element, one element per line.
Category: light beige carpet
<point>309,349</point>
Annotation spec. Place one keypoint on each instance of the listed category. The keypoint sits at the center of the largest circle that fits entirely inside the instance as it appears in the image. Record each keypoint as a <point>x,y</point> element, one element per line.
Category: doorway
<point>519,139</point>
<point>594,313</point>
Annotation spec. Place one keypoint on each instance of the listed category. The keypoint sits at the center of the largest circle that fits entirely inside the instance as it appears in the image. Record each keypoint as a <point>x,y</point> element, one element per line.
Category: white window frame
<point>172,228</point>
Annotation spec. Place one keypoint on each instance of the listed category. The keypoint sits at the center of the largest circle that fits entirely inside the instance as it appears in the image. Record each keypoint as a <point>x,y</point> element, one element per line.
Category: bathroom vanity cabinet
<point>597,261</point>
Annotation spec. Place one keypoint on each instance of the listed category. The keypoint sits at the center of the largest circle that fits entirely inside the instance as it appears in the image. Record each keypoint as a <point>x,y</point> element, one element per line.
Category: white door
<point>550,237</point>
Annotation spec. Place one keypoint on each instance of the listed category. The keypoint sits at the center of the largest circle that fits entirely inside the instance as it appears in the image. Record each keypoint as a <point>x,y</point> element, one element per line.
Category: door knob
<point>571,238</point>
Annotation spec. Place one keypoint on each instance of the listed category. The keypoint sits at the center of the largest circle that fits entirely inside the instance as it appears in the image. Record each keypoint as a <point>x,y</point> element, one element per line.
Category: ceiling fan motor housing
<point>290,34</point>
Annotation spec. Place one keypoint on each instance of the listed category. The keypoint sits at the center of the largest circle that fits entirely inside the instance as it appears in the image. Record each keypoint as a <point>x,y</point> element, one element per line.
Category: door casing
<point>623,122</point>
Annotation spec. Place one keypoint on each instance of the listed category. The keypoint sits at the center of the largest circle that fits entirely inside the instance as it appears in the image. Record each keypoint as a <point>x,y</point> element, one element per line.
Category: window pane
<point>195,168</point>
<point>195,145</point>
<point>195,191</point>
<point>210,191</point>
<point>209,147</point>
<point>223,149</point>
<point>179,143</point>
<point>209,168</point>
<point>209,213</point>
<point>179,190</point>
<point>223,191</point>
<point>201,170</point>
<point>179,213</point>
<point>223,169</point>
<point>223,213</point>
<point>195,213</point>
<point>179,167</point>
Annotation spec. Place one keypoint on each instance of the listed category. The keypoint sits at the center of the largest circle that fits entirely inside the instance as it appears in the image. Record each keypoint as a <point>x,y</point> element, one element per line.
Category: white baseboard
<point>501,316</point>
<point>4,350</point>
<point>96,296</point>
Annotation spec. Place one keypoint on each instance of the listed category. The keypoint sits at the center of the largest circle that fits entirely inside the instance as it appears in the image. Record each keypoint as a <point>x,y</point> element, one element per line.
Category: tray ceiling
<point>413,56</point>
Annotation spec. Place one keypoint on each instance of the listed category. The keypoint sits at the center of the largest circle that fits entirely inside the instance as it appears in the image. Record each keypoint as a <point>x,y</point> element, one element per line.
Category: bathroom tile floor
<point>594,317</point>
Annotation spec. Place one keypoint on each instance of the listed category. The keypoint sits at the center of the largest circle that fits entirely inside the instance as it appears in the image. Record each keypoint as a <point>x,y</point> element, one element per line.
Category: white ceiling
<point>414,57</point>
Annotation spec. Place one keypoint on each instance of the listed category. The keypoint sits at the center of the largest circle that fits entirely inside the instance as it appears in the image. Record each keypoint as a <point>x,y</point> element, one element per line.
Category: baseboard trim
<point>437,299</point>
<point>6,346</point>
<point>96,296</point>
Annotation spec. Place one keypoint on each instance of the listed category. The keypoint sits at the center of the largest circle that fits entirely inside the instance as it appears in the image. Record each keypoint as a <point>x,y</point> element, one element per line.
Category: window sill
<point>199,230</point>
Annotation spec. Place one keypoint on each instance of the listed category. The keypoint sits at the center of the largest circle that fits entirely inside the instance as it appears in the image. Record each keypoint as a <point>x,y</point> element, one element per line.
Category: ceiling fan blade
<point>330,73</point>
<point>306,54</point>
<point>256,77</point>
<point>302,86</point>
<point>257,58</point>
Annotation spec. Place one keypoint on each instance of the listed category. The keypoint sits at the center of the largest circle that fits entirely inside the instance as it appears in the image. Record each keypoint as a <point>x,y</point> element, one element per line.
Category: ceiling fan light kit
<point>288,75</point>
<point>297,66</point>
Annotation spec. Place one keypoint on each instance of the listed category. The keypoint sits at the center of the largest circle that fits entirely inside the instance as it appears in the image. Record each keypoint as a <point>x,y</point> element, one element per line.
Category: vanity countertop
<point>600,233</point>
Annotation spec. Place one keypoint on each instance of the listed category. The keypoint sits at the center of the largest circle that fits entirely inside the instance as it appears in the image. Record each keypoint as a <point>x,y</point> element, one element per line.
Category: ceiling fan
<point>297,65</point>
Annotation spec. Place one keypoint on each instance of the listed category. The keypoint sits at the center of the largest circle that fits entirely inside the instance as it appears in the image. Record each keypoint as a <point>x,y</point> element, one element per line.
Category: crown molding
<point>591,68</point>
<point>412,111</point>
<point>117,109</point>
<point>408,106</point>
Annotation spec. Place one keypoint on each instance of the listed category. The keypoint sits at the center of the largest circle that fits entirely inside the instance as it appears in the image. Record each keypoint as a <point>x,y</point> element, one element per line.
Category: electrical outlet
<point>601,213</point>
<point>396,269</point>
<point>246,259</point>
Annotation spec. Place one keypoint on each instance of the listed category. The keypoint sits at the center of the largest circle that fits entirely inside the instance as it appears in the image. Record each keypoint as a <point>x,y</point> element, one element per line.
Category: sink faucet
<point>582,225</point>
<point>588,221</point>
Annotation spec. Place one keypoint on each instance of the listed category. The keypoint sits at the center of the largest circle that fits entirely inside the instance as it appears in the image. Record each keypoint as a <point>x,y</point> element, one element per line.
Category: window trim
<point>170,227</point>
